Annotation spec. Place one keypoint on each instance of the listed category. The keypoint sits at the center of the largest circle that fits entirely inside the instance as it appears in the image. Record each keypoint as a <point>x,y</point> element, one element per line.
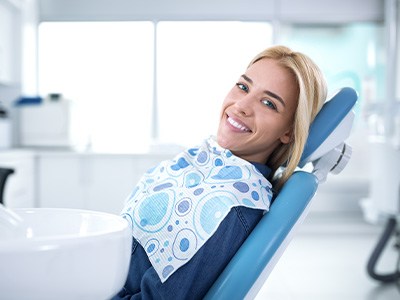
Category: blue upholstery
<point>257,256</point>
<point>331,114</point>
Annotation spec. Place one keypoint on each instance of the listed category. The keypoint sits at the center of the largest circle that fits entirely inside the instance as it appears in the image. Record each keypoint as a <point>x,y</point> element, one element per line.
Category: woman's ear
<point>287,137</point>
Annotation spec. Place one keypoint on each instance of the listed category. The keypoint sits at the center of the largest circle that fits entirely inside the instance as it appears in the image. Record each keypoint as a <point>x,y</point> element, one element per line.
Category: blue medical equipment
<point>325,149</point>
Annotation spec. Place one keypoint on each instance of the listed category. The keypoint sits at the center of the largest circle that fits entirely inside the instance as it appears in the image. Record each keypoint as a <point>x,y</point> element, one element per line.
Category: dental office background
<point>95,92</point>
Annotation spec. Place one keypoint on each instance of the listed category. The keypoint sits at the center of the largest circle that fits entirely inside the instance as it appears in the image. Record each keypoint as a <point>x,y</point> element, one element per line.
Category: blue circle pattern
<point>179,204</point>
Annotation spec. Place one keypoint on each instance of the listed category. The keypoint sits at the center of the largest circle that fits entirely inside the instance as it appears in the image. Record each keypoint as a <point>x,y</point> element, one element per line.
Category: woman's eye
<point>242,86</point>
<point>269,104</point>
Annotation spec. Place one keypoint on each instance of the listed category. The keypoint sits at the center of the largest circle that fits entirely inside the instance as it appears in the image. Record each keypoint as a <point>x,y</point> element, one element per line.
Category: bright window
<point>106,70</point>
<point>349,55</point>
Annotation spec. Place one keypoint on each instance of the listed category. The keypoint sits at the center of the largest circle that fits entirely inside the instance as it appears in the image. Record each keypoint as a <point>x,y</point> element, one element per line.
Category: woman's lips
<point>237,124</point>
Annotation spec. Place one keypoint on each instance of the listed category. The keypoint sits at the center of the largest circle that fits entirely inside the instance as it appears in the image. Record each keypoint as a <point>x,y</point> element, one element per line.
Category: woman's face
<point>258,113</point>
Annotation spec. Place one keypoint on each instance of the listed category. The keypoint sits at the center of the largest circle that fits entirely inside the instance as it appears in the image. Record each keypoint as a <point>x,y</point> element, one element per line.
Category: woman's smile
<point>237,125</point>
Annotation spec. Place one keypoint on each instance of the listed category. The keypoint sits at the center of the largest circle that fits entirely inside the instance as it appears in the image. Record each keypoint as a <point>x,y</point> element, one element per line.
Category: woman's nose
<point>245,105</point>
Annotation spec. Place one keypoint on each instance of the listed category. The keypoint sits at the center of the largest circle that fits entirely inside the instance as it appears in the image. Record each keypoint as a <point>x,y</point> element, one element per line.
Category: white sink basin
<point>65,254</point>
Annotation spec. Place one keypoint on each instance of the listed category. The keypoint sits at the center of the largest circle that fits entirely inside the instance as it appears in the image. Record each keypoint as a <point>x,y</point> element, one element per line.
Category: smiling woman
<point>253,115</point>
<point>190,214</point>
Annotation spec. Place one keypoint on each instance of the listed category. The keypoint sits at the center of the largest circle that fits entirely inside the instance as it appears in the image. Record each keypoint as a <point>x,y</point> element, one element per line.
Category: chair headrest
<point>331,126</point>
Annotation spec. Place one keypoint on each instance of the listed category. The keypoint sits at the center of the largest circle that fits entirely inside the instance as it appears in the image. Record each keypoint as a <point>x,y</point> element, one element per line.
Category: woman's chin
<point>223,142</point>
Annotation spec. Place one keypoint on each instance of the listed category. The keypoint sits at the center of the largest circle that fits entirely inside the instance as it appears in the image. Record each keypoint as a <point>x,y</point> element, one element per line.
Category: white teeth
<point>237,125</point>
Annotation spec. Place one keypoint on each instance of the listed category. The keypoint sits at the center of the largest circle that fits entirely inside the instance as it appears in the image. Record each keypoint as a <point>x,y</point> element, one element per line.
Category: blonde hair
<point>312,94</point>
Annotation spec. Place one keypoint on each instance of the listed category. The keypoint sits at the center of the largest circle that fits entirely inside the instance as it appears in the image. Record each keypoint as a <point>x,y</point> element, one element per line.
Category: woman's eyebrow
<point>247,78</point>
<point>269,93</point>
<point>273,95</point>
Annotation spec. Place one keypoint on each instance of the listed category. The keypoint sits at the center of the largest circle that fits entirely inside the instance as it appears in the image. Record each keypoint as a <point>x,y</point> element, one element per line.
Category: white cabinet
<point>20,186</point>
<point>89,181</point>
<point>59,182</point>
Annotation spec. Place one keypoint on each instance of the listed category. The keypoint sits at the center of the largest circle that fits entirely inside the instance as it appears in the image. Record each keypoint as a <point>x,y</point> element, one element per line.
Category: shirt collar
<point>262,168</point>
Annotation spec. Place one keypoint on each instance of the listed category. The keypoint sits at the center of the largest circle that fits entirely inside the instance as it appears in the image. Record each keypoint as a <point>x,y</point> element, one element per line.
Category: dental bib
<point>178,205</point>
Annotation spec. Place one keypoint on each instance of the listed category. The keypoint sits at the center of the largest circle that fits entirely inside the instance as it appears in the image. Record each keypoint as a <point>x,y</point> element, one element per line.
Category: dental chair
<point>326,151</point>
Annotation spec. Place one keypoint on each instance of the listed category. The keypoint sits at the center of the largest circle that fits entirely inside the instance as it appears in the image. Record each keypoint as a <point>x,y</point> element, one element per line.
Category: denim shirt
<point>194,279</point>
